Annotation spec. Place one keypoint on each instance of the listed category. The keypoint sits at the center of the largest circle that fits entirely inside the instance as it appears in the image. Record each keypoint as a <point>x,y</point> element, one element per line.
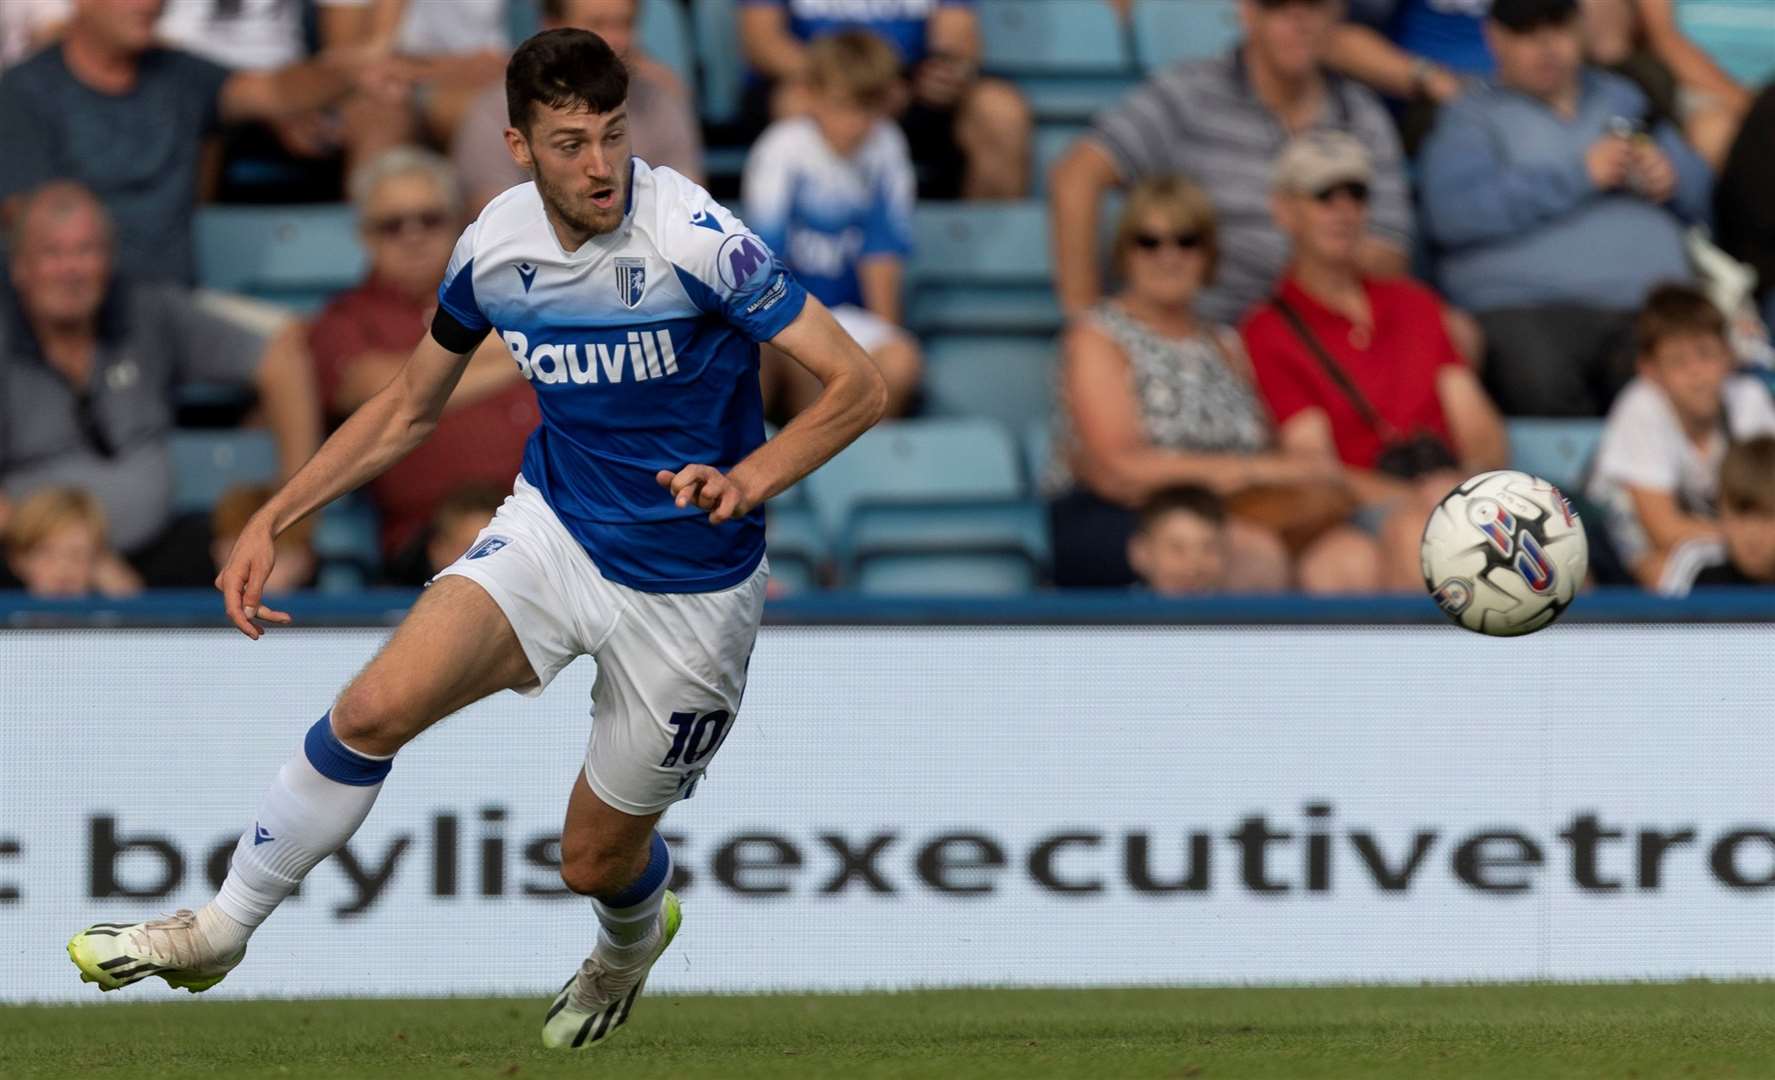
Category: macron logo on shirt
<point>643,355</point>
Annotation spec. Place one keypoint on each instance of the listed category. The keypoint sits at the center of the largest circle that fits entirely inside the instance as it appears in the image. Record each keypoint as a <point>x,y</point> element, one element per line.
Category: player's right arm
<point>385,429</point>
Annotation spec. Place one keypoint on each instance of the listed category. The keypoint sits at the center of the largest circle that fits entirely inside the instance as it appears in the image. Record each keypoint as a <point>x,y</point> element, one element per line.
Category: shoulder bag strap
<point>1374,420</point>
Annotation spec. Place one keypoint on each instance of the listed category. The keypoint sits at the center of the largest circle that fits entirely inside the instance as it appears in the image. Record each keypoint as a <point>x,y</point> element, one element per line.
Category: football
<point>1504,553</point>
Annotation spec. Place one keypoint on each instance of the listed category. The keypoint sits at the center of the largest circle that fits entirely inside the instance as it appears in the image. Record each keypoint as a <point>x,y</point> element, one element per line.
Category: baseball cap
<point>1312,162</point>
<point>1522,16</point>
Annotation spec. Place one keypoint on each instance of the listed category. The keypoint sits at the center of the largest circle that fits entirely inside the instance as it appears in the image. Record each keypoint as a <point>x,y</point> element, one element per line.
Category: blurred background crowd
<point>1190,295</point>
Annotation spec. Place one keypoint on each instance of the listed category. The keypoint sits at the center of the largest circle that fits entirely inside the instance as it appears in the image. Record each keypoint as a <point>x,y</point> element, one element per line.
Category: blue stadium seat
<point>347,543</point>
<point>522,19</point>
<point>1740,35</point>
<point>1168,32</point>
<point>718,55</point>
<point>1071,37</point>
<point>981,268</point>
<point>1038,450</point>
<point>1009,379</point>
<point>1555,450</point>
<point>793,540</point>
<point>294,255</point>
<point>983,525</point>
<point>665,36</point>
<point>947,575</point>
<point>945,460</point>
<point>207,463</point>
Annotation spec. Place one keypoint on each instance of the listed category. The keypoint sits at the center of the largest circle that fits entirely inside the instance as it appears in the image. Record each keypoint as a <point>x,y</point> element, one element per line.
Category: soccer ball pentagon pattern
<point>1504,553</point>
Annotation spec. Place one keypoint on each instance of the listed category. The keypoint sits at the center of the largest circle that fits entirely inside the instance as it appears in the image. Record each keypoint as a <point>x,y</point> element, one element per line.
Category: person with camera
<point>1362,370</point>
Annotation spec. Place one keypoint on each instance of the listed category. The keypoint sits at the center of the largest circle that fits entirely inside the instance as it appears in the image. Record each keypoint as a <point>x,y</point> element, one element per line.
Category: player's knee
<point>371,718</point>
<point>600,871</point>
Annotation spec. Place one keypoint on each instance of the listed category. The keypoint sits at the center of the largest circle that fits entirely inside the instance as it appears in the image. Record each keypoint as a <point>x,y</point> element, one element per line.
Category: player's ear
<point>519,148</point>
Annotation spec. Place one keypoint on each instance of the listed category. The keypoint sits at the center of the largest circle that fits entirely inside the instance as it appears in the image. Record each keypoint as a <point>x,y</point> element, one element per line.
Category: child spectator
<point>1657,469</point>
<point>296,563</point>
<point>1745,554</point>
<point>833,192</point>
<point>1179,546</point>
<point>55,547</point>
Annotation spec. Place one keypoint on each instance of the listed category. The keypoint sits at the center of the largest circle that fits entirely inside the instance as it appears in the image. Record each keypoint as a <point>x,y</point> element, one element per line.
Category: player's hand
<point>243,579</point>
<point>708,488</point>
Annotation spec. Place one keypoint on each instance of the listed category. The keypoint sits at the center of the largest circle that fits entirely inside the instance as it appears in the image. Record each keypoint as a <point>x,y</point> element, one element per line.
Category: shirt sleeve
<point>888,228</point>
<point>1137,131</point>
<point>1635,450</point>
<point>205,79</point>
<point>32,141</point>
<point>459,324</point>
<point>208,345</point>
<point>730,273</point>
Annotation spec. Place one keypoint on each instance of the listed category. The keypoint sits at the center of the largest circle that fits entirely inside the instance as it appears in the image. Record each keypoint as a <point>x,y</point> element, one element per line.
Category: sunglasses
<point>1355,189</point>
<point>396,224</point>
<point>1185,241</point>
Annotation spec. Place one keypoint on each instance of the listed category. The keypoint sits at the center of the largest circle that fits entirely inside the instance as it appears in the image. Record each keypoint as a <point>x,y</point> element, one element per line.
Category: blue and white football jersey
<point>641,346</point>
<point>824,212</point>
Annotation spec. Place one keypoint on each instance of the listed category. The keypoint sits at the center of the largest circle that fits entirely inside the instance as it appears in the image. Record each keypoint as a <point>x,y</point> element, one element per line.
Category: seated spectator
<point>969,136</point>
<point>1179,546</point>
<point>1153,396</point>
<point>1657,467</point>
<point>1744,552</point>
<point>110,108</point>
<point>662,120</point>
<point>453,50</point>
<point>833,191</point>
<point>296,563</point>
<point>1554,210</point>
<point>1744,213</point>
<point>89,365</point>
<point>1361,370</point>
<point>409,215</point>
<point>1222,122</point>
<point>1641,41</point>
<point>55,547</point>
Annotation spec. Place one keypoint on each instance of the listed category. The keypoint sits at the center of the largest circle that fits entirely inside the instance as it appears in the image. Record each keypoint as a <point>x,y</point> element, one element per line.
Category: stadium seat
<point>1052,37</point>
<point>981,268</point>
<point>974,524</point>
<point>1009,379</point>
<point>1038,450</point>
<point>723,69</point>
<point>294,255</point>
<point>1168,32</point>
<point>936,460</point>
<point>797,548</point>
<point>207,463</point>
<point>1739,34</point>
<point>665,36</point>
<point>1556,450</point>
<point>346,543</point>
<point>947,575</point>
<point>522,19</point>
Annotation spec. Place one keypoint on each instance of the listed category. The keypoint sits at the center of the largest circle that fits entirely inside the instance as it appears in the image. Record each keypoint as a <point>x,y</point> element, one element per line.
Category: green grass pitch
<point>1687,1030</point>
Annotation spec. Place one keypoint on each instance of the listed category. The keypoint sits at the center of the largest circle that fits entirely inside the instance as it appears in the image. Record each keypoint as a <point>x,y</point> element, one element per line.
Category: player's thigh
<point>453,648</point>
<point>670,680</point>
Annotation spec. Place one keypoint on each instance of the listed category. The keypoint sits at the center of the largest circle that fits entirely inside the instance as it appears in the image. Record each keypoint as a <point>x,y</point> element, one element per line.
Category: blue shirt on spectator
<point>901,22</point>
<point>1449,32</point>
<point>1517,222</point>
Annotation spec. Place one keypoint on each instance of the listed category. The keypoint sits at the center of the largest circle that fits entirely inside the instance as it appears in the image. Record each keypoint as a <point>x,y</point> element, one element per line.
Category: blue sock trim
<point>336,761</point>
<point>659,868</point>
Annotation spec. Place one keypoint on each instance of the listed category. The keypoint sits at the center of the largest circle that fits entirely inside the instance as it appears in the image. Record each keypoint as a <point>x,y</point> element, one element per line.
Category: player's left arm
<point>853,398</point>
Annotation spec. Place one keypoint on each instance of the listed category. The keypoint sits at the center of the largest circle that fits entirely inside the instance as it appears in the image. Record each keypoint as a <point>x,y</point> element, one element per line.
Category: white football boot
<point>114,955</point>
<point>597,1000</point>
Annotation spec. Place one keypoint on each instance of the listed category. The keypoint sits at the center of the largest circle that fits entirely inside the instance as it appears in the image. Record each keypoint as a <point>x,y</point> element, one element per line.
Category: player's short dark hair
<point>1747,477</point>
<point>1527,16</point>
<point>1182,499</point>
<point>563,69</point>
<point>1674,311</point>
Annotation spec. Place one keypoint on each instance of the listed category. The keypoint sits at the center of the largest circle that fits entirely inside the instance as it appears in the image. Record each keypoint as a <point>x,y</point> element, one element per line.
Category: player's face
<point>581,163</point>
<point>62,565</point>
<point>612,20</point>
<point>409,228</point>
<point>1180,555</point>
<point>60,269</point>
<point>1166,261</point>
<point>1691,369</point>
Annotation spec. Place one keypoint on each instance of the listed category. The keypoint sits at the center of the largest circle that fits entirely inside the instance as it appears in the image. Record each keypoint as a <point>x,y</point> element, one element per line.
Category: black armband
<point>454,336</point>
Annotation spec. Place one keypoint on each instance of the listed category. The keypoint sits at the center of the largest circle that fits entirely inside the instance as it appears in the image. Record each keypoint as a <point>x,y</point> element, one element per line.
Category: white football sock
<point>318,800</point>
<point>626,920</point>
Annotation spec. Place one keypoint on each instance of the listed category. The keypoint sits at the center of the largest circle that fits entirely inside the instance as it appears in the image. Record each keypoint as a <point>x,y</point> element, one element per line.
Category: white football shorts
<point>671,666</point>
<point>866,328</point>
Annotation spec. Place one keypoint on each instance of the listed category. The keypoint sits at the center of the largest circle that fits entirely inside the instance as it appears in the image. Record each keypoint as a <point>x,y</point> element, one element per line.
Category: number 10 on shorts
<point>695,737</point>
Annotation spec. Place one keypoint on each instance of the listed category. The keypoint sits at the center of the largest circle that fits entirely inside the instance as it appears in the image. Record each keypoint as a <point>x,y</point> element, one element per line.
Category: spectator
<point>89,364</point>
<point>459,519</point>
<point>1179,546</point>
<point>409,215</point>
<point>1743,211</point>
<point>1657,468</point>
<point>125,117</point>
<point>1153,396</point>
<point>833,191</point>
<point>1359,369</point>
<point>296,562</point>
<point>55,547</point>
<point>1640,41</point>
<point>1222,122</point>
<point>970,136</point>
<point>1744,553</point>
<point>662,120</point>
<point>1554,211</point>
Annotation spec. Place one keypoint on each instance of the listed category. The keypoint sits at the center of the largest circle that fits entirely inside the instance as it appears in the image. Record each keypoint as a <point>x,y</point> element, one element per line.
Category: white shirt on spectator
<point>445,27</point>
<point>242,35</point>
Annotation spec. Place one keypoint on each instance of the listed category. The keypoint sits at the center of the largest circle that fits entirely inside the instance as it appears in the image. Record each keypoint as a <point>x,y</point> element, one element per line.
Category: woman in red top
<point>1391,397</point>
<point>410,214</point>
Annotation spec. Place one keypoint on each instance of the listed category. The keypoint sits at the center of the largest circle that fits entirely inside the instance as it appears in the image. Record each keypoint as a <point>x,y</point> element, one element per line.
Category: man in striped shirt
<point>1222,122</point>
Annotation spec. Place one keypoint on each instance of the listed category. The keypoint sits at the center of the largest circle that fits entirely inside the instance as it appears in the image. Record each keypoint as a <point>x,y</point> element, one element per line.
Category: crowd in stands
<point>1339,256</point>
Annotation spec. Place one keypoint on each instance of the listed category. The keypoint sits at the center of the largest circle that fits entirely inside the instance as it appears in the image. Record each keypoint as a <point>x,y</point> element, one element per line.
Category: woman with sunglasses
<point>1152,398</point>
<point>409,215</point>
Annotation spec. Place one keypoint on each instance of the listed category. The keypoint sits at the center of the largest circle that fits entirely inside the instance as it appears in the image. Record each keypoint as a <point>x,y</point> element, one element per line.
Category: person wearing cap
<point>1362,369</point>
<point>1221,122</point>
<point>1554,207</point>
